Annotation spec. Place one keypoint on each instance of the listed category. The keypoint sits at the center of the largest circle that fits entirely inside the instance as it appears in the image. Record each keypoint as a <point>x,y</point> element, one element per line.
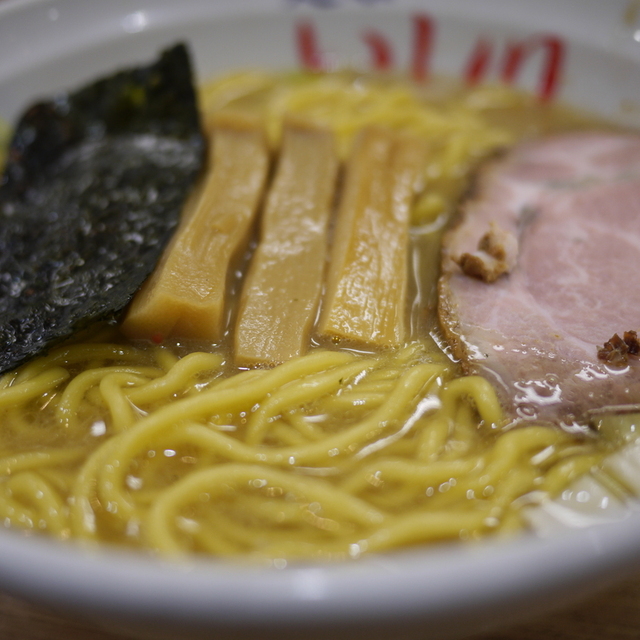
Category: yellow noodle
<point>390,484</point>
<point>348,401</point>
<point>82,515</point>
<point>209,402</point>
<point>286,435</point>
<point>120,408</point>
<point>402,470</point>
<point>43,498</point>
<point>68,408</point>
<point>480,391</point>
<point>214,542</point>
<point>300,392</point>
<point>61,479</point>
<point>426,527</point>
<point>510,450</point>
<point>65,356</point>
<point>35,459</point>
<point>557,478</point>
<point>353,438</point>
<point>158,527</point>
<point>434,436</point>
<point>241,379</point>
<point>14,513</point>
<point>176,378</point>
<point>306,427</point>
<point>33,388</point>
<point>165,358</point>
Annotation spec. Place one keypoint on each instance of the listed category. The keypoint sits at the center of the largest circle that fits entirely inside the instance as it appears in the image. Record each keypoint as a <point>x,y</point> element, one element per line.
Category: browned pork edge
<point>446,314</point>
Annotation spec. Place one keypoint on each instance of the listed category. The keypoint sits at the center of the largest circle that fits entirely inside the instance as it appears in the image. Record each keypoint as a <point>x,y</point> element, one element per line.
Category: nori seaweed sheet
<point>92,191</point>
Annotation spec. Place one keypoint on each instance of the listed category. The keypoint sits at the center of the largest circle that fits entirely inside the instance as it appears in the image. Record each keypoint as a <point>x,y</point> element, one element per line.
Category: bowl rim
<point>427,583</point>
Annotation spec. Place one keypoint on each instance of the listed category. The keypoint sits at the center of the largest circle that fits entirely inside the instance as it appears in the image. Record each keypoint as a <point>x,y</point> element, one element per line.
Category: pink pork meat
<point>542,270</point>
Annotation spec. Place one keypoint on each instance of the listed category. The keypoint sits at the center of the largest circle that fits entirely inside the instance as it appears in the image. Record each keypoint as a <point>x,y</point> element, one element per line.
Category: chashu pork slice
<point>541,271</point>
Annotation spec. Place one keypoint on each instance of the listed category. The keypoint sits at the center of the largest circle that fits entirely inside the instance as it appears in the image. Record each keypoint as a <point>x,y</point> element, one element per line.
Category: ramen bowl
<point>587,54</point>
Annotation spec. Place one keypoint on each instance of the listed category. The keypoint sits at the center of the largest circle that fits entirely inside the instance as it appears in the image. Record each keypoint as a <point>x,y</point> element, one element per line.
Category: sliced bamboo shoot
<point>282,290</point>
<point>185,296</point>
<point>367,280</point>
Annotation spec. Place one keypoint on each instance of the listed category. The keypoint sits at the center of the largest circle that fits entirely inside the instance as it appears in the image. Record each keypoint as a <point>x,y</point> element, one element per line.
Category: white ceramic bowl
<point>583,51</point>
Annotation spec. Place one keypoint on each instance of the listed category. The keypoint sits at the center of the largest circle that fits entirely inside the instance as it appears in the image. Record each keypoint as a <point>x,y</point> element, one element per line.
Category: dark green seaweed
<point>92,191</point>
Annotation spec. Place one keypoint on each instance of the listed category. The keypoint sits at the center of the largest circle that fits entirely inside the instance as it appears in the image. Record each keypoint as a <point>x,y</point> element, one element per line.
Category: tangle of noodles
<point>329,455</point>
